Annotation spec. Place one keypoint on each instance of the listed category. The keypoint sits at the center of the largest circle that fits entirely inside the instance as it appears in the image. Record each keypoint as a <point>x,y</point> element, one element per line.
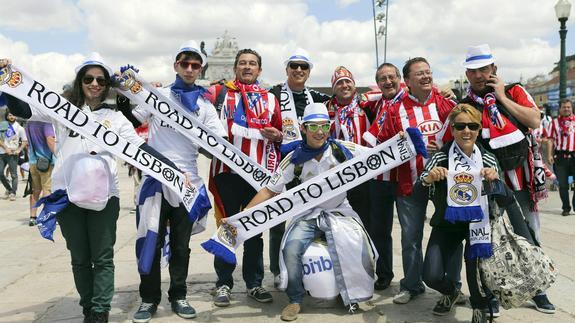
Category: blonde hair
<point>473,113</point>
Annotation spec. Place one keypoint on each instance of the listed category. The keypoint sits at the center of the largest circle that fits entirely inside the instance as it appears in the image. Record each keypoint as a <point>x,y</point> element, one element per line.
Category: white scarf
<point>248,223</point>
<point>465,202</point>
<point>290,121</point>
<point>23,86</point>
<point>178,117</point>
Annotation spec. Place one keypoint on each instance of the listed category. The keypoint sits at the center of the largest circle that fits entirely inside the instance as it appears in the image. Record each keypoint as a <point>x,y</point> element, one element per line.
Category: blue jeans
<point>303,233</point>
<point>411,213</point>
<point>382,197</point>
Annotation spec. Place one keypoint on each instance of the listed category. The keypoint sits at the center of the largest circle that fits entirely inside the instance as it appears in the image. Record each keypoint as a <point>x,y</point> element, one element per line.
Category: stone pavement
<point>36,283</point>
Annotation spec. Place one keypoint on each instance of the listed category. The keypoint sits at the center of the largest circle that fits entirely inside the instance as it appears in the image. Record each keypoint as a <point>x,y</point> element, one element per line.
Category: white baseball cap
<point>192,46</point>
<point>315,112</point>
<point>478,56</point>
<point>94,59</point>
<point>300,55</point>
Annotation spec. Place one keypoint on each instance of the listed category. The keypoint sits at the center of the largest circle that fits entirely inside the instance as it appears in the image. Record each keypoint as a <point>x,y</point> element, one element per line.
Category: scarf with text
<point>346,115</point>
<point>187,94</point>
<point>172,113</point>
<point>251,112</point>
<point>290,121</point>
<point>495,126</point>
<point>21,85</point>
<point>259,218</point>
<point>375,129</point>
<point>465,202</point>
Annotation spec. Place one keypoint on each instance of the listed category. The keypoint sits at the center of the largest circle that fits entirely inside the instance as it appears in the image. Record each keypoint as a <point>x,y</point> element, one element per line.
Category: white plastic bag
<point>88,181</point>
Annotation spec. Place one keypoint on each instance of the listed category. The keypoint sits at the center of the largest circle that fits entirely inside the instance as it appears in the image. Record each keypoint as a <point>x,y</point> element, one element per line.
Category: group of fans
<point>492,126</point>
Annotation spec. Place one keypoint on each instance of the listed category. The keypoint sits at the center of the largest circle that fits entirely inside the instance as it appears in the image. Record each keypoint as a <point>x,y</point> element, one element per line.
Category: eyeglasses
<point>88,79</point>
<point>303,66</point>
<point>460,126</point>
<point>185,65</point>
<point>384,78</point>
<point>314,127</point>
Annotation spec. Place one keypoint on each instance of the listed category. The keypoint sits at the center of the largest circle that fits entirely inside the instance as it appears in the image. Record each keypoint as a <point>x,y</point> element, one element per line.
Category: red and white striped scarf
<point>347,117</point>
<point>252,114</point>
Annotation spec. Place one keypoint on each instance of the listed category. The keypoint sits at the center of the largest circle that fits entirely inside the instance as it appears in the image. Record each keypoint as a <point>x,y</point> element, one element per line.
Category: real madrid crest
<point>10,77</point>
<point>228,234</point>
<point>128,82</point>
<point>463,192</point>
<point>289,130</point>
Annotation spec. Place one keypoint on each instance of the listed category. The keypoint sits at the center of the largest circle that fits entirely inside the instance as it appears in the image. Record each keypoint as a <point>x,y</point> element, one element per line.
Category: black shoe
<point>494,303</point>
<point>260,294</point>
<point>445,303</point>
<point>87,314</point>
<point>382,283</point>
<point>479,316</point>
<point>543,305</point>
<point>99,317</point>
<point>183,309</point>
<point>32,222</point>
<point>565,213</point>
<point>144,313</point>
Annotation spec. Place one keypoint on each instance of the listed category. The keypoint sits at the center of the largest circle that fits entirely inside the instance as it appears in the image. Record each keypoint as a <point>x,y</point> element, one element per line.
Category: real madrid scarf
<point>248,223</point>
<point>290,121</point>
<point>21,85</point>
<point>172,113</point>
<point>465,202</point>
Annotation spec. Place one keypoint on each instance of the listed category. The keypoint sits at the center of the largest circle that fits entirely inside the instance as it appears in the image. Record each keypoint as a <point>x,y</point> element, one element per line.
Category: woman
<point>88,224</point>
<point>457,176</point>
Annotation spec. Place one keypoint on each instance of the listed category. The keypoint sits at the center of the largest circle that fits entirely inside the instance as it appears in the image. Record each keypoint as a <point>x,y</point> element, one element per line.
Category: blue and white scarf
<point>187,94</point>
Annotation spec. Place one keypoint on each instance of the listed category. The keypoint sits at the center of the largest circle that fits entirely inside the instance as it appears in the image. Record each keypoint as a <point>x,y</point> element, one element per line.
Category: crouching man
<point>347,241</point>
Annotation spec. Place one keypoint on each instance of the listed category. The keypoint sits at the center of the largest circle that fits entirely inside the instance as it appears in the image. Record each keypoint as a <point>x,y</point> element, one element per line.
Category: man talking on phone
<point>508,115</point>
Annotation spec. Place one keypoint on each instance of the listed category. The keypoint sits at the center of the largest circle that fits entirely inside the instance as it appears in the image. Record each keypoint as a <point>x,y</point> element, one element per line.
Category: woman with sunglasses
<point>456,177</point>
<point>88,175</point>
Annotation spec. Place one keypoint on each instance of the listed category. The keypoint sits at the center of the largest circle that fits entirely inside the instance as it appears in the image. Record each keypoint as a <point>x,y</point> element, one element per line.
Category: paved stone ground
<point>36,283</point>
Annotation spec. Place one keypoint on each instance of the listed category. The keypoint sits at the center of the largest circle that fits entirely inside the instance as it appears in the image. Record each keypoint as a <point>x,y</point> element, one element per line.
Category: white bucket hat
<point>478,56</point>
<point>94,59</point>
<point>315,112</point>
<point>192,46</point>
<point>300,55</point>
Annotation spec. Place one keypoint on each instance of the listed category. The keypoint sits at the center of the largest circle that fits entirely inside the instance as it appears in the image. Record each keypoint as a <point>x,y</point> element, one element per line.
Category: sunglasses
<point>185,65</point>
<point>461,126</point>
<point>303,66</point>
<point>314,127</point>
<point>88,79</point>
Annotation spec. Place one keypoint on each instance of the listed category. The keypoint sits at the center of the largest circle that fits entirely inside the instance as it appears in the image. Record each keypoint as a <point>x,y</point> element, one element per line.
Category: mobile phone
<point>495,187</point>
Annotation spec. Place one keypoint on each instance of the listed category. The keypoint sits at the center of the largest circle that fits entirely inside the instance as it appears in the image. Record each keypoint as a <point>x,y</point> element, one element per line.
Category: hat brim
<point>477,63</point>
<point>287,61</point>
<point>204,58</point>
<point>94,63</point>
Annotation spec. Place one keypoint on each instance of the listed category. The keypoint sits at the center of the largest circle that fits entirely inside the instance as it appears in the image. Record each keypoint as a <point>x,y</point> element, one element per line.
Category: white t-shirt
<point>13,142</point>
<point>69,143</point>
<point>311,168</point>
<point>172,144</point>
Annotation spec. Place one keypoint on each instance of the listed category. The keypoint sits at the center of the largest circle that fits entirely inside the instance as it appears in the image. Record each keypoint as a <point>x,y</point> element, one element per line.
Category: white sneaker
<point>403,297</point>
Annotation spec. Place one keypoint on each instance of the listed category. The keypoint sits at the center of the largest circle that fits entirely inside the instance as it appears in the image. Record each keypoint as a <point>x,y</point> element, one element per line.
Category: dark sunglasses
<point>314,127</point>
<point>303,66</point>
<point>461,126</point>
<point>88,79</point>
<point>185,65</point>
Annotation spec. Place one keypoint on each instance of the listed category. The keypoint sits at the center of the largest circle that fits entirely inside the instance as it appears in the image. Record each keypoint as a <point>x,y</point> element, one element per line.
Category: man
<point>425,108</point>
<point>562,151</point>
<point>42,141</point>
<point>293,97</point>
<point>350,122</point>
<point>316,157</point>
<point>382,188</point>
<point>253,121</point>
<point>188,63</point>
<point>509,113</point>
<point>12,142</point>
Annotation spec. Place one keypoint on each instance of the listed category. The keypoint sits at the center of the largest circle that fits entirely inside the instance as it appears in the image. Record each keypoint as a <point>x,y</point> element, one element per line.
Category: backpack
<point>518,270</point>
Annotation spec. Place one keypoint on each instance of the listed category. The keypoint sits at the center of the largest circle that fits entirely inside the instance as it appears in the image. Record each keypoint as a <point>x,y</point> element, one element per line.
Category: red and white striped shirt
<point>562,131</point>
<point>428,118</point>
<point>262,151</point>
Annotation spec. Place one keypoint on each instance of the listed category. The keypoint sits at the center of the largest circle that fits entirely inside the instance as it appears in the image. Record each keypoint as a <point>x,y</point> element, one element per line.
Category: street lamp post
<point>562,10</point>
<point>380,17</point>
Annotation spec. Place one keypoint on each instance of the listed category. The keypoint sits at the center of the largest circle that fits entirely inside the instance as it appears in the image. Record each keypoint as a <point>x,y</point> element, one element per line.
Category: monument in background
<point>221,61</point>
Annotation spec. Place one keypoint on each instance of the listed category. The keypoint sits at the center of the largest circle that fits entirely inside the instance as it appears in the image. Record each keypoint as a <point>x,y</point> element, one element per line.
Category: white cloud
<point>147,32</point>
<point>345,3</point>
<point>33,15</point>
